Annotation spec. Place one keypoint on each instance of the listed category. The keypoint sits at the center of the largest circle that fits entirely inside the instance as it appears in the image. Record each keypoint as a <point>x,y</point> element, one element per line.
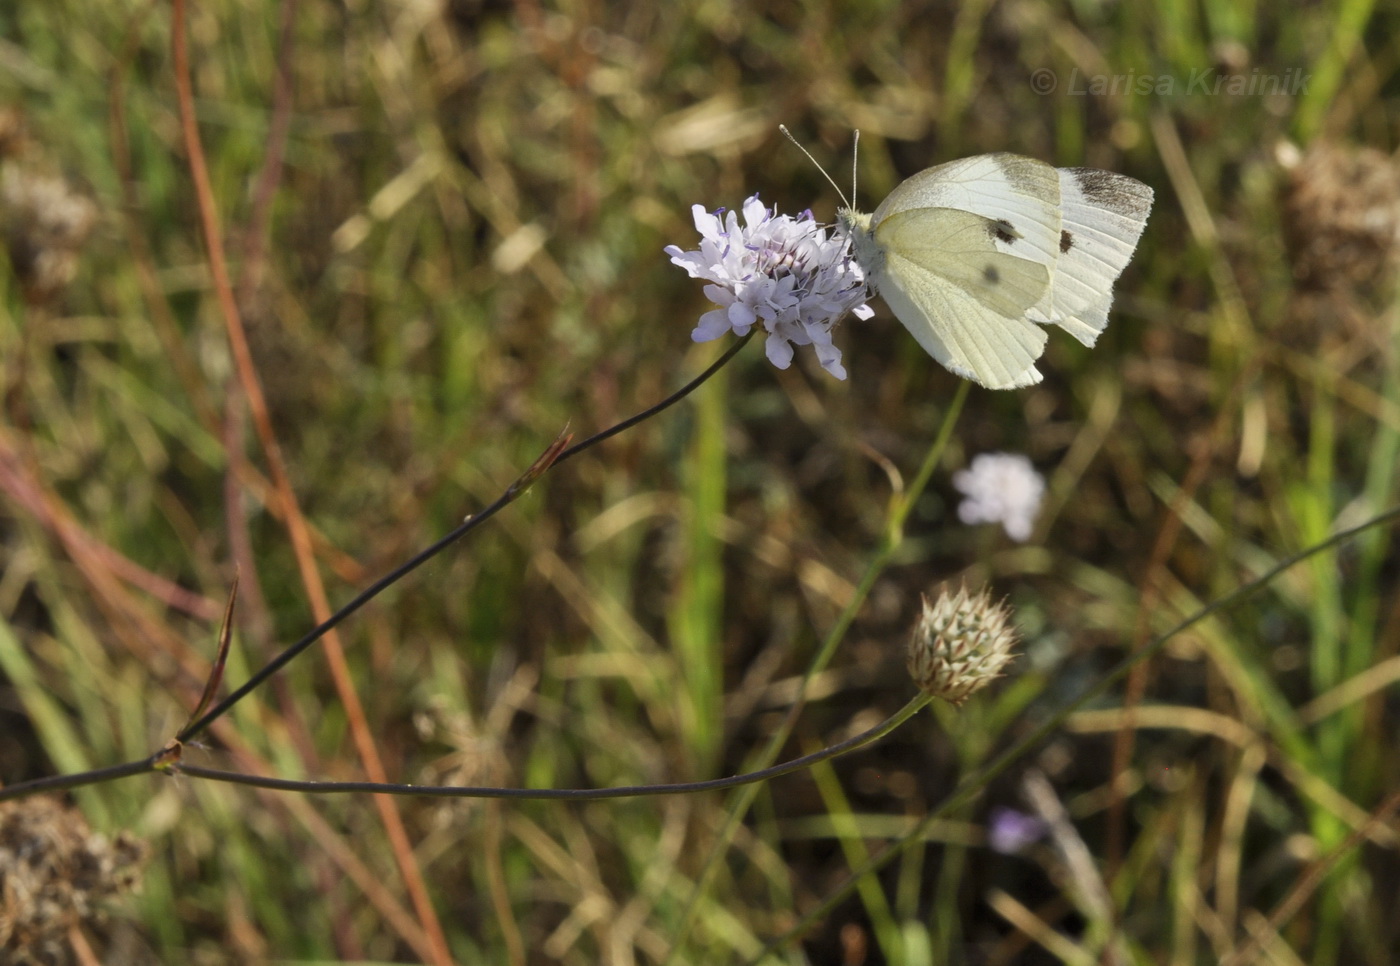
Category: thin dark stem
<point>554,455</point>
<point>585,794</point>
<point>422,557</point>
<point>58,783</point>
<point>675,397</point>
<point>172,763</point>
<point>320,630</point>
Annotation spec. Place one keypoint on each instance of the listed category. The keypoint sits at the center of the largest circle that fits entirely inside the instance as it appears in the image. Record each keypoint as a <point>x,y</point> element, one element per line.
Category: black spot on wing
<point>991,274</point>
<point>1003,231</point>
<point>1066,242</point>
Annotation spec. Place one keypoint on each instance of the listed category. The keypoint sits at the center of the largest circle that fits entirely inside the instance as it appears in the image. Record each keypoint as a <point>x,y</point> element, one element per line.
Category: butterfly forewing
<point>1104,215</point>
<point>1020,195</point>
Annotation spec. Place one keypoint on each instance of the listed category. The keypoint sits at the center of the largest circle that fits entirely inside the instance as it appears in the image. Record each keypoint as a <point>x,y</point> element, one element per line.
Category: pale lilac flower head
<point>781,272</point>
<point>1010,831</point>
<point>1001,488</point>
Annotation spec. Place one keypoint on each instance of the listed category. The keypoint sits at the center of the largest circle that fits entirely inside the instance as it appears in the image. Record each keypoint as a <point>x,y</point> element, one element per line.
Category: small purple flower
<point>783,273</point>
<point>1010,832</point>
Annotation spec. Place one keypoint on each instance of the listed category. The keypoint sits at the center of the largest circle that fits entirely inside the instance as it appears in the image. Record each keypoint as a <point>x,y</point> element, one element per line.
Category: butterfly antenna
<point>788,134</point>
<point>855,158</point>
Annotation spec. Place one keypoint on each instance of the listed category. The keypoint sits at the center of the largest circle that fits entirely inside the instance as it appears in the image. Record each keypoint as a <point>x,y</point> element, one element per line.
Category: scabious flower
<point>1001,488</point>
<point>783,273</point>
<point>961,643</point>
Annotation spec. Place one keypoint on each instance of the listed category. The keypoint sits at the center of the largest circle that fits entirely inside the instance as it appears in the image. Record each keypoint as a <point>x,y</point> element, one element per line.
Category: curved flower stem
<point>899,512</point>
<point>555,454</point>
<point>170,761</point>
<point>675,397</point>
<point>574,794</point>
<point>972,785</point>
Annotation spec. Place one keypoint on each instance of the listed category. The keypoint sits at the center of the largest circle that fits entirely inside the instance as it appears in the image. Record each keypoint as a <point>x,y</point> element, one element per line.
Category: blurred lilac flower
<point>1010,831</point>
<point>783,273</point>
<point>1001,488</point>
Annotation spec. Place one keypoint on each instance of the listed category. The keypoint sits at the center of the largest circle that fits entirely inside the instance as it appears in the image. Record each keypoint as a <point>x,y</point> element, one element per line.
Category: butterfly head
<point>855,225</point>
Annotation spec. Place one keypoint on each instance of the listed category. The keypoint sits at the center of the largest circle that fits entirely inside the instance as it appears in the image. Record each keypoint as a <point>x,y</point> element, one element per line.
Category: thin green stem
<point>900,509</point>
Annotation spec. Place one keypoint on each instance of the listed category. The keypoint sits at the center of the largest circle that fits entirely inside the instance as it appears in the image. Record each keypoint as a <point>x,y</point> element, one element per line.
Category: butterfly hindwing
<point>960,296</point>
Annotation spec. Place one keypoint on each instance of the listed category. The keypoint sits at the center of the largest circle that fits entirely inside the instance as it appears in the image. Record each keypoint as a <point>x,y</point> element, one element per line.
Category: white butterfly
<point>974,256</point>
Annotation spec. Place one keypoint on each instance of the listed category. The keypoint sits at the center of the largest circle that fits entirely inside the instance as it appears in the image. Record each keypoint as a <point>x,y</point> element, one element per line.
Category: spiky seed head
<point>960,643</point>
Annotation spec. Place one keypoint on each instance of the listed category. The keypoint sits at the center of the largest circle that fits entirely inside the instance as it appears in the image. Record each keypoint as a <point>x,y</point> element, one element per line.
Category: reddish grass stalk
<point>295,523</point>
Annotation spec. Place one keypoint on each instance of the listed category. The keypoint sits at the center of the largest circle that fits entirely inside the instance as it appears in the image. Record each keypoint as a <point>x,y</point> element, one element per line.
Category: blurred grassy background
<point>463,254</point>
